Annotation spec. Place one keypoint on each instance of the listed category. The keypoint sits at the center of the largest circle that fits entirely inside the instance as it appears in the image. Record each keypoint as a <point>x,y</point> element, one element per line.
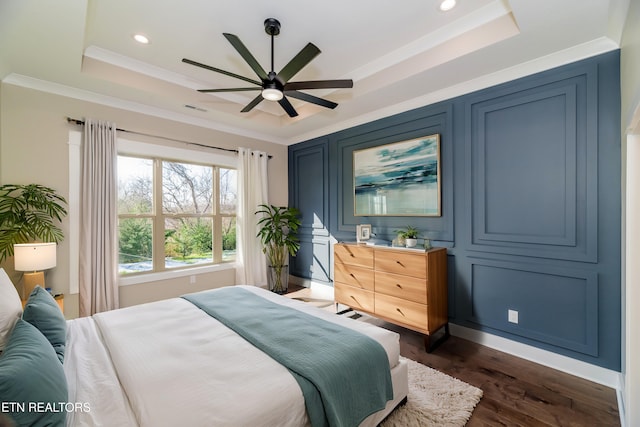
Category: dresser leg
<point>346,310</point>
<point>430,344</point>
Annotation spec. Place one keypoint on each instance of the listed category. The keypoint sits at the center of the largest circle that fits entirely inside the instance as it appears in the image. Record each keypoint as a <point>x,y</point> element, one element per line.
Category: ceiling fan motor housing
<point>272,26</point>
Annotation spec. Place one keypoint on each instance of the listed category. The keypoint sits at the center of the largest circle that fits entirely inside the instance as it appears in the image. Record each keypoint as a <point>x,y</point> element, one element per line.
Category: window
<point>174,214</point>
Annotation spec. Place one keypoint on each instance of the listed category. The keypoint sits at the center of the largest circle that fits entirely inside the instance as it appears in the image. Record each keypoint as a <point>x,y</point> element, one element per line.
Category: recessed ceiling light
<point>446,5</point>
<point>141,38</point>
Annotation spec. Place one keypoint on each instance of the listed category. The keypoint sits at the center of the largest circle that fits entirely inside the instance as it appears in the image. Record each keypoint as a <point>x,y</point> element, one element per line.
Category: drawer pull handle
<point>398,285</point>
<point>351,274</point>
<point>399,263</point>
<point>399,311</point>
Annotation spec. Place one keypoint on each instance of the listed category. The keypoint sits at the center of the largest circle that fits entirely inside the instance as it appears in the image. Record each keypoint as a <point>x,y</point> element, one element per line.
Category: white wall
<point>34,136</point>
<point>632,335</point>
<point>630,112</point>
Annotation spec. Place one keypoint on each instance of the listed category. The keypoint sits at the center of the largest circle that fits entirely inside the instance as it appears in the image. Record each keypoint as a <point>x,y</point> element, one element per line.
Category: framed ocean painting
<point>402,178</point>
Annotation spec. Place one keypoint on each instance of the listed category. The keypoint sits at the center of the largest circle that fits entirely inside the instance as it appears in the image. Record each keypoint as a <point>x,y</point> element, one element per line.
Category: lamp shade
<point>34,256</point>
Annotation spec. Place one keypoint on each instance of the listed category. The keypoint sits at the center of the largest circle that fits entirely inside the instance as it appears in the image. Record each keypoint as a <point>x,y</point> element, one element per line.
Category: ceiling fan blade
<point>310,98</point>
<point>233,89</point>
<point>298,62</point>
<point>218,70</point>
<point>284,103</point>
<point>246,55</point>
<point>319,84</point>
<point>257,100</point>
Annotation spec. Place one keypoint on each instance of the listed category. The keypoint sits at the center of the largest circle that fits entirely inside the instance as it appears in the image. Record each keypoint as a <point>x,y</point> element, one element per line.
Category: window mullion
<point>217,219</point>
<point>159,220</point>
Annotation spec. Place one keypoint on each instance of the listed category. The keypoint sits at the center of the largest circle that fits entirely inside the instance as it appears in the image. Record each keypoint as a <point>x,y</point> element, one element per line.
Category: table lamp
<point>34,257</point>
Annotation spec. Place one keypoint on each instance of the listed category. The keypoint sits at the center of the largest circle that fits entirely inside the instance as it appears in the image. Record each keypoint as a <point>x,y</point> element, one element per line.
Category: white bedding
<point>168,363</point>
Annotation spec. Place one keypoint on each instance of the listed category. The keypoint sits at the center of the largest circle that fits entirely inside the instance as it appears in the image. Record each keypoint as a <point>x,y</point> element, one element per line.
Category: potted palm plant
<point>29,213</point>
<point>278,226</point>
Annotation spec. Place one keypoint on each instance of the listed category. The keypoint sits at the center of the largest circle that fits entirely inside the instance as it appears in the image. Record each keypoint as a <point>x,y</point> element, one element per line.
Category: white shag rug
<point>435,399</point>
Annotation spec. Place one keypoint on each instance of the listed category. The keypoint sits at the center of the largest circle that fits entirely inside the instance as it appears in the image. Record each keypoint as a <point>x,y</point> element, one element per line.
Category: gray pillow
<point>43,312</point>
<point>31,374</point>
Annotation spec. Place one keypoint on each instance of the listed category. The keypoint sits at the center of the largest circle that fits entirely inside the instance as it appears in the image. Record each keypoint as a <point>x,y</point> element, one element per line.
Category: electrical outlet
<point>513,316</point>
<point>192,279</point>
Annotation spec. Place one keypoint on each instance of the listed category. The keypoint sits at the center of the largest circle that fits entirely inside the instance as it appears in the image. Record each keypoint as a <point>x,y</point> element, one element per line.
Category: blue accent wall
<point>531,205</point>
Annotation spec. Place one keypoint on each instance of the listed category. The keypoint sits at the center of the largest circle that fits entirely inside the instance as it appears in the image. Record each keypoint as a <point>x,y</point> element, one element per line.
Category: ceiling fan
<point>276,87</point>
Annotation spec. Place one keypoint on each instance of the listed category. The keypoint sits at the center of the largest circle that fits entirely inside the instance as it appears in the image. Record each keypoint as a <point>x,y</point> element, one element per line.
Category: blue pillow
<point>32,379</point>
<point>43,312</point>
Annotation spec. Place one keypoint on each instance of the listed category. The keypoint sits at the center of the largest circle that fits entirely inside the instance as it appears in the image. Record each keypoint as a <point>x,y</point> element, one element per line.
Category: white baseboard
<point>621,409</point>
<point>566,364</point>
<point>307,283</point>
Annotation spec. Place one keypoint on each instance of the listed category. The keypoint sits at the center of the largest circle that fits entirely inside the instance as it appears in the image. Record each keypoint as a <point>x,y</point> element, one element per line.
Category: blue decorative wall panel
<point>533,158</point>
<point>313,259</point>
<point>311,189</point>
<point>556,306</point>
<point>427,121</point>
<point>309,193</point>
<point>531,204</point>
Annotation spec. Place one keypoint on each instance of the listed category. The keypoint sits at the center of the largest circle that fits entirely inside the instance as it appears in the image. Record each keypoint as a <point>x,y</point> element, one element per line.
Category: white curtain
<point>252,191</point>
<point>98,219</point>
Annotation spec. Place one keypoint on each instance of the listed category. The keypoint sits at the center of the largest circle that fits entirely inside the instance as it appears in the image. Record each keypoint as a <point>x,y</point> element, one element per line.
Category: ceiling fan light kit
<point>276,86</point>
<point>271,94</point>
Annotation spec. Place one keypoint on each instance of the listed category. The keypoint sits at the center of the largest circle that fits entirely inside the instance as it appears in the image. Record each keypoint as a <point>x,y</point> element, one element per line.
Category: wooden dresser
<point>407,287</point>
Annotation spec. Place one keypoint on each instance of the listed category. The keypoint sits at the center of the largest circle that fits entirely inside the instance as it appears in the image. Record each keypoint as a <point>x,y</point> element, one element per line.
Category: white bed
<point>168,363</point>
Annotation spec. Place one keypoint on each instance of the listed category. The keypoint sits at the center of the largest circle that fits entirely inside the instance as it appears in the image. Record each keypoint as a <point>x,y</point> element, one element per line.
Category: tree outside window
<point>186,224</point>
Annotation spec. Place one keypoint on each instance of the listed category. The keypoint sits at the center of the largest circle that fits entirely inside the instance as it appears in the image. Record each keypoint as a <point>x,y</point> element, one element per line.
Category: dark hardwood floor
<point>517,392</point>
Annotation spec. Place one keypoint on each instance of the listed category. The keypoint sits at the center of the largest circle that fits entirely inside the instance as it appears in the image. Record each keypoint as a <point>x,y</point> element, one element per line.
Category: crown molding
<point>556,59</point>
<point>88,96</point>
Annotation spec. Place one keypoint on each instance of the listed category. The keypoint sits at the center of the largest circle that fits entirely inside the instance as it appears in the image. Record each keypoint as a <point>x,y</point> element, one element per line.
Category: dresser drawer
<point>410,313</point>
<point>352,275</point>
<point>353,255</point>
<point>404,287</point>
<point>353,297</point>
<point>398,262</point>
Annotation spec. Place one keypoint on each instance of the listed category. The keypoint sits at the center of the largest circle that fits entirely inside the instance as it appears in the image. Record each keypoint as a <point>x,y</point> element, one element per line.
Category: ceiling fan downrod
<point>272,27</point>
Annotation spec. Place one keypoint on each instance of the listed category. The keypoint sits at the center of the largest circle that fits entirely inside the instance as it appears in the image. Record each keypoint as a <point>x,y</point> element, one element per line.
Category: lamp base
<point>30,281</point>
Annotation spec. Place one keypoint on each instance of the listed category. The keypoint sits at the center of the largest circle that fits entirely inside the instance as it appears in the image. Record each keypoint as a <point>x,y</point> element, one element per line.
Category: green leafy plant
<point>278,226</point>
<point>29,213</point>
<point>408,232</point>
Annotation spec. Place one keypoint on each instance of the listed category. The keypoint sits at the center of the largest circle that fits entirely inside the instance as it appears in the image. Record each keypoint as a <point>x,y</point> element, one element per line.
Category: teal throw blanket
<point>344,375</point>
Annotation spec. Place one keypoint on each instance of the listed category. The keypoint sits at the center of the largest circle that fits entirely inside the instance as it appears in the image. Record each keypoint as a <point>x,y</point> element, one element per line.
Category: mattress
<point>169,363</point>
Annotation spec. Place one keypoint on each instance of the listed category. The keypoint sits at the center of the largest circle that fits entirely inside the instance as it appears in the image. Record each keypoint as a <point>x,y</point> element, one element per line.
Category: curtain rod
<point>81,122</point>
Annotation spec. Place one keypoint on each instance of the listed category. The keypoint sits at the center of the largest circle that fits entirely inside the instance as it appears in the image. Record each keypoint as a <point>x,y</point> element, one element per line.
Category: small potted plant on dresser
<point>409,235</point>
<point>278,226</point>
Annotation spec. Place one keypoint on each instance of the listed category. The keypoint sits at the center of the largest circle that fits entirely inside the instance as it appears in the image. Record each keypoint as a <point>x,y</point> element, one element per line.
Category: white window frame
<point>142,149</point>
